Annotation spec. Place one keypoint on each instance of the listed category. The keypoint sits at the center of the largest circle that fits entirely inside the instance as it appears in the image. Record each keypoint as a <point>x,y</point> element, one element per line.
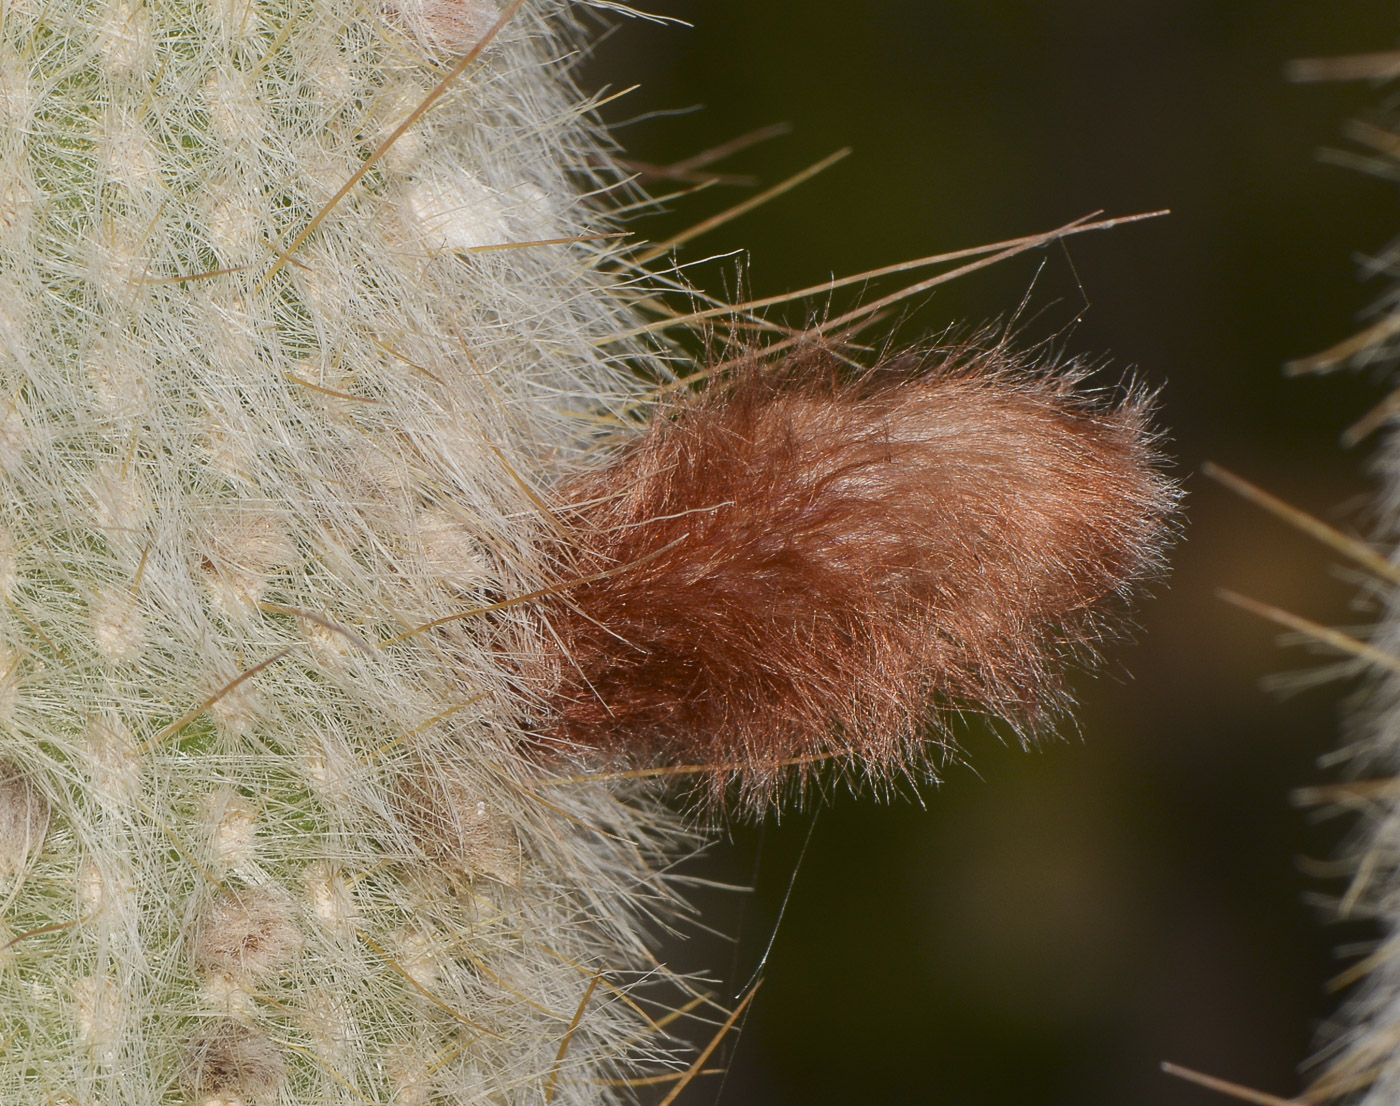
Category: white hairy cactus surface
<point>1362,1046</point>
<point>262,837</point>
<point>1360,1056</point>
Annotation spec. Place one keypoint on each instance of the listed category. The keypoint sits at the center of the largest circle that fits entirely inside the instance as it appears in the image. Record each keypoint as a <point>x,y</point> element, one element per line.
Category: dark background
<point>1047,929</point>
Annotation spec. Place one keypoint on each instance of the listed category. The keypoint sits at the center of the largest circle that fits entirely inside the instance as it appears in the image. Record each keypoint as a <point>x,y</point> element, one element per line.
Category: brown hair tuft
<point>802,562</point>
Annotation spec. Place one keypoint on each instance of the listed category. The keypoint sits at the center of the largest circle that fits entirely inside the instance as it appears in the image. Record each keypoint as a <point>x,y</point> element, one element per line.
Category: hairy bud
<point>794,566</point>
<point>24,819</point>
<point>231,1063</point>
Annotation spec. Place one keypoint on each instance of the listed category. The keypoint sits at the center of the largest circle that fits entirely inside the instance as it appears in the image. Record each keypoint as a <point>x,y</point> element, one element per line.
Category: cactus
<point>261,839</point>
<point>1359,1059</point>
<point>310,315</point>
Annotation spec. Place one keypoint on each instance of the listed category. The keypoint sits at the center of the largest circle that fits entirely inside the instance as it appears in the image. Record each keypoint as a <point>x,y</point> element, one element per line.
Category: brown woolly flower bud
<point>245,936</point>
<point>807,563</point>
<point>24,819</point>
<point>455,825</point>
<point>452,26</point>
<point>229,1062</point>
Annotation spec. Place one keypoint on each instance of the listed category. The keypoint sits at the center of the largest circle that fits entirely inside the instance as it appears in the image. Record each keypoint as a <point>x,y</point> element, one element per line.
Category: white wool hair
<point>231,489</point>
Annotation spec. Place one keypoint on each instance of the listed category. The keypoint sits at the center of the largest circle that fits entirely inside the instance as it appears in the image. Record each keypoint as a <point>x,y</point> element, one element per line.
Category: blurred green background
<point>1047,926</point>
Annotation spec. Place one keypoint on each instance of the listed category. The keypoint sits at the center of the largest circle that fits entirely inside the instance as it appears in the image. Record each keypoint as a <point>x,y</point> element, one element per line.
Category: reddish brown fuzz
<point>802,563</point>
